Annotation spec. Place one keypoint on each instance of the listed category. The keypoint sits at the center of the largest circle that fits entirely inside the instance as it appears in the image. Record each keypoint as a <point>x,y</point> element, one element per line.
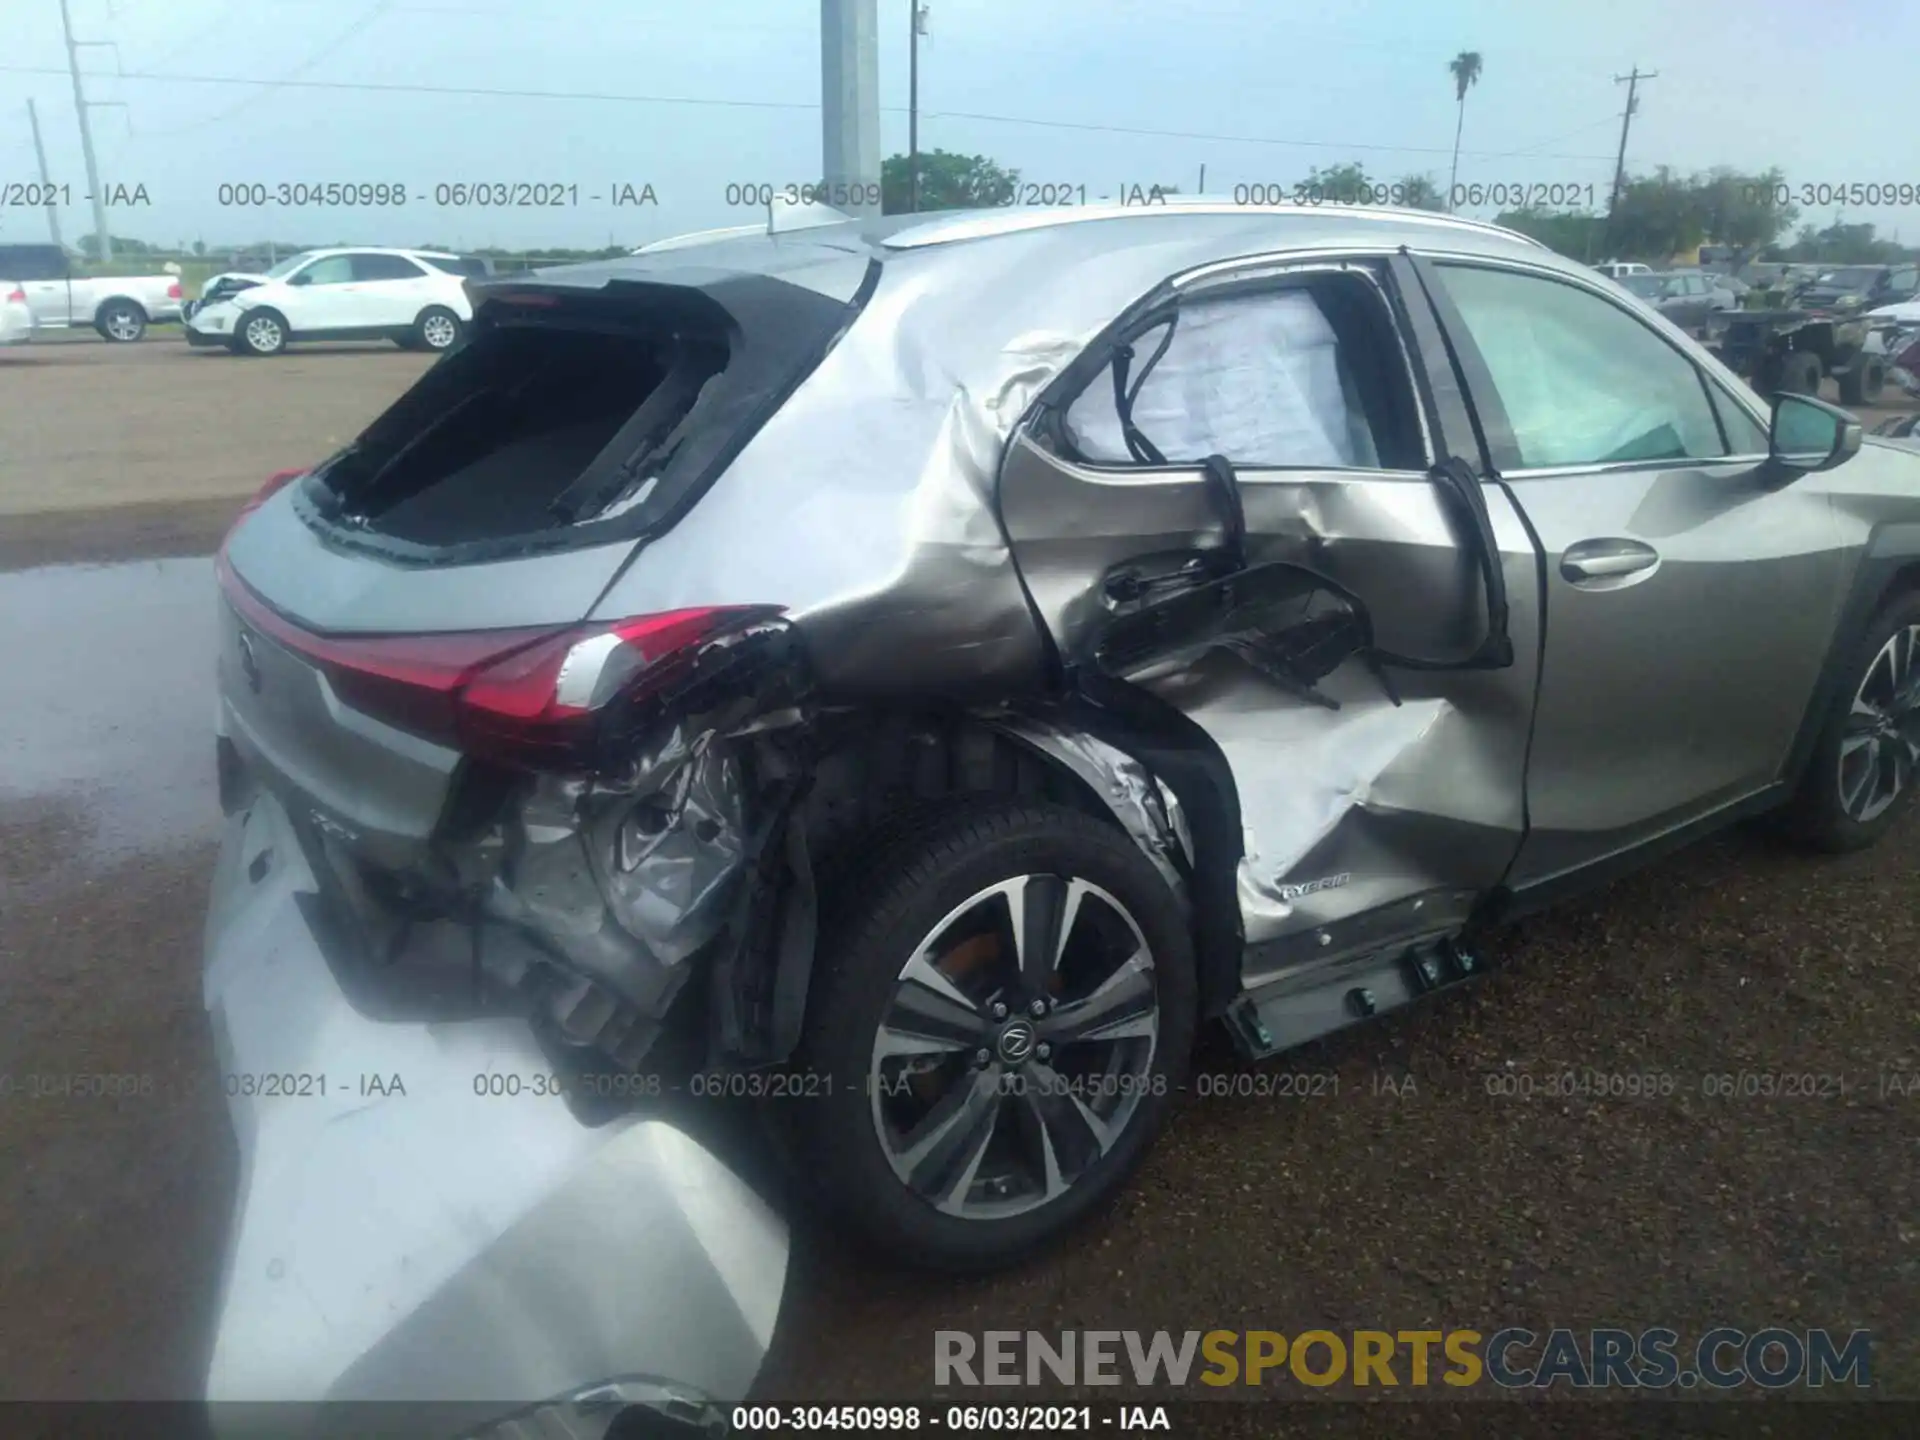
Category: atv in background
<point>1789,352</point>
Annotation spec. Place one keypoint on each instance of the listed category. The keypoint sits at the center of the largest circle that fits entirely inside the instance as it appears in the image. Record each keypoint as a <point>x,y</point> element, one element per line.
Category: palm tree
<point>1465,69</point>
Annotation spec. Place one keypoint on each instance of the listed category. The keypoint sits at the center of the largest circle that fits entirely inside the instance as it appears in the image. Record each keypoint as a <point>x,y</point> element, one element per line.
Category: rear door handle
<point>1593,560</point>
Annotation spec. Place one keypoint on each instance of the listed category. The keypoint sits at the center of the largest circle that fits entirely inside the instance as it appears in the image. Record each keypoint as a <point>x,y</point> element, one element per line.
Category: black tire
<point>898,892</point>
<point>437,328</point>
<point>1864,381</point>
<point>1818,815</point>
<point>260,332</point>
<point>1800,373</point>
<point>120,322</point>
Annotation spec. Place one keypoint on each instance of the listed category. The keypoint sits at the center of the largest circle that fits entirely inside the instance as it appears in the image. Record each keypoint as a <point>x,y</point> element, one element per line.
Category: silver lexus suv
<point>917,673</point>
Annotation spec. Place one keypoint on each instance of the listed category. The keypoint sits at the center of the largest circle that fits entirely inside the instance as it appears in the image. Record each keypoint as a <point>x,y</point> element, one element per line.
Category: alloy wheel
<point>439,331</point>
<point>263,333</point>
<point>123,324</point>
<point>1017,1043</point>
<point>1881,743</point>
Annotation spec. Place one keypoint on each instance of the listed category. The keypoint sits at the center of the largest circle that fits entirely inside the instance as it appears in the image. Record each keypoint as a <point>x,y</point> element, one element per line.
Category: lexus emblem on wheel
<point>1016,1043</point>
<point>249,662</point>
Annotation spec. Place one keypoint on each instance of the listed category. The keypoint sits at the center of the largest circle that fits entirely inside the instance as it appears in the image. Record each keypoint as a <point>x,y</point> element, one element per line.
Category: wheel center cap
<point>1016,1042</point>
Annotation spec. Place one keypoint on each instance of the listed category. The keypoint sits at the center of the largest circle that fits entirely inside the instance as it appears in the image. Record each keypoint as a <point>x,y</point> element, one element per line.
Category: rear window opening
<point>528,428</point>
<point>570,412</point>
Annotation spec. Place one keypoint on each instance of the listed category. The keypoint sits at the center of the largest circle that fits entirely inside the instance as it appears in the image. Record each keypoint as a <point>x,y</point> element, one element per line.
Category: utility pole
<point>1203,180</point>
<point>1632,83</point>
<point>46,180</point>
<point>918,28</point>
<point>86,138</point>
<point>850,98</point>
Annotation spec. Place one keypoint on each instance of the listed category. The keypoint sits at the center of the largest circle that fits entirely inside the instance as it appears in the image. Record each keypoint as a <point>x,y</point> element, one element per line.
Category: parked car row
<point>1689,298</point>
<point>415,298</point>
<point>120,307</point>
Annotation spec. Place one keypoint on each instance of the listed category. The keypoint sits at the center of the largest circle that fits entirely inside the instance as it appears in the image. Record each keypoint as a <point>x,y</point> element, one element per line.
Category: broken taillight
<point>529,698</point>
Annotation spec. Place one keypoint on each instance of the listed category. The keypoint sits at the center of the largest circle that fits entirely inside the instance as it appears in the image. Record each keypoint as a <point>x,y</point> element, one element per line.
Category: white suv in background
<point>416,298</point>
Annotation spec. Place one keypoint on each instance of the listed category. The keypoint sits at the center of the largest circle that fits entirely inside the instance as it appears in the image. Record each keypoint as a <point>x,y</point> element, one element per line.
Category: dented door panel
<point>1375,820</point>
<point>1363,822</point>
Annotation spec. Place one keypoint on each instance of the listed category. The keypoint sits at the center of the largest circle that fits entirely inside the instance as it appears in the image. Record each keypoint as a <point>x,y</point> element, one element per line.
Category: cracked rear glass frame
<point>318,505</point>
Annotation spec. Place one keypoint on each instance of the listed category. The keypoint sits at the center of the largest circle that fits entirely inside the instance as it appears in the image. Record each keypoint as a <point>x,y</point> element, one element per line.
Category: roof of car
<point>906,232</point>
<point>829,252</point>
<point>409,250</point>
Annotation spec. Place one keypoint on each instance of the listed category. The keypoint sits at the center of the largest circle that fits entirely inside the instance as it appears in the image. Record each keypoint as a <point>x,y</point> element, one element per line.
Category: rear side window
<point>385,267</point>
<point>458,265</point>
<point>1302,376</point>
<point>1583,381</point>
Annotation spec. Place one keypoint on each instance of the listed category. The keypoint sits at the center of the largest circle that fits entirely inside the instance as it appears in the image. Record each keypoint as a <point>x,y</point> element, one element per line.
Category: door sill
<point>1317,1000</point>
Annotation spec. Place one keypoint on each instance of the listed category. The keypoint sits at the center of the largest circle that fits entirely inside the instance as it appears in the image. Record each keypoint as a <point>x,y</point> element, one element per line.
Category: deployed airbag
<point>1255,378</point>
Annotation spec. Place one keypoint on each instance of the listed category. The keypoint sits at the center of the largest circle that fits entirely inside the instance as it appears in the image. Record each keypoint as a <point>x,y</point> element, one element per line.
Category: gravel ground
<point>1413,1197</point>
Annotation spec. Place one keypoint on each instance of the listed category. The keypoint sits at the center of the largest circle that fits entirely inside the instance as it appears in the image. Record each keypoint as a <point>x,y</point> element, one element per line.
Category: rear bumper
<point>420,1219</point>
<point>206,339</point>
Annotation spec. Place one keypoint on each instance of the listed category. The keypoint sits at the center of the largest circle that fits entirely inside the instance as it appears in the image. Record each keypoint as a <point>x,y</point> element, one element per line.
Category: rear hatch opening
<point>572,416</point>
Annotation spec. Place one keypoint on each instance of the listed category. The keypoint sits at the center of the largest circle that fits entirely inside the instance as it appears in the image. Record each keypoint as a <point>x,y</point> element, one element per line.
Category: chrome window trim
<point>1248,474</point>
<point>1612,467</point>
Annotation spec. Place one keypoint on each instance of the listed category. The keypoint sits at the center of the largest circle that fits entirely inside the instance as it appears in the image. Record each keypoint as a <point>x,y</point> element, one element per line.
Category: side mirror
<point>1809,435</point>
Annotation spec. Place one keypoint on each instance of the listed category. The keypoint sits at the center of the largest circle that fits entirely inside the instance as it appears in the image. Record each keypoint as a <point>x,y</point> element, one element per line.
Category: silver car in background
<point>915,675</point>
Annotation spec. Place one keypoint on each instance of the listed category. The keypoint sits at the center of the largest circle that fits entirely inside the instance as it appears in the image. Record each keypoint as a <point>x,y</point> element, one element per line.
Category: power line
<point>503,93</point>
<point>350,32</point>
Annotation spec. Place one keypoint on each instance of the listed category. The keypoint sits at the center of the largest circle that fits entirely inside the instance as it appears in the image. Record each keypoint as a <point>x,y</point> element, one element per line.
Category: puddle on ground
<point>110,699</point>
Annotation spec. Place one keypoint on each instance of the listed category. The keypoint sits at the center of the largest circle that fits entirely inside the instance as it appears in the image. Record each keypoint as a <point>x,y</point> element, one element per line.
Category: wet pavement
<point>1413,1182</point>
<point>110,671</point>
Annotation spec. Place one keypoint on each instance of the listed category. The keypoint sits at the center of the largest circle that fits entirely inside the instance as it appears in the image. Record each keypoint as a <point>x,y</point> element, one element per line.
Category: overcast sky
<point>1252,92</point>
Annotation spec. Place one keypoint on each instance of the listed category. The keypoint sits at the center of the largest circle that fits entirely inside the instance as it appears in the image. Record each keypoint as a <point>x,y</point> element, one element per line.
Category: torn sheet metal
<point>1136,797</point>
<point>669,854</point>
<point>629,876</point>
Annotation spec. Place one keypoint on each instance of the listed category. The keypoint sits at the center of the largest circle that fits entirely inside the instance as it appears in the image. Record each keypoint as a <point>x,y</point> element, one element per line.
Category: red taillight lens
<point>530,698</point>
<point>17,295</point>
<point>540,706</point>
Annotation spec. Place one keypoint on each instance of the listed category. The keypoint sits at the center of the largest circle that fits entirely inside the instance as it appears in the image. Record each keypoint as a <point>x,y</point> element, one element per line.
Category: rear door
<point>388,290</point>
<point>1689,605</point>
<point>1365,820</point>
